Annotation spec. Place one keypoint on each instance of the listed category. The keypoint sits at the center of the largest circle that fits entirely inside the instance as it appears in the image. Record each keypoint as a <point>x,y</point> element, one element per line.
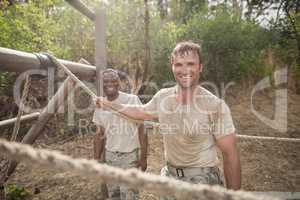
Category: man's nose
<point>186,69</point>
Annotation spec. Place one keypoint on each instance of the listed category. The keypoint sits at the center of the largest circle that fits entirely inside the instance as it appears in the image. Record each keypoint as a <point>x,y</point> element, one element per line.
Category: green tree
<point>232,48</point>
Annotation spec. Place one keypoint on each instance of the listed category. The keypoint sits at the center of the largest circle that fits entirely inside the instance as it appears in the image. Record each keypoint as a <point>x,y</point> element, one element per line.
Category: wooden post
<point>44,117</point>
<point>100,60</point>
<point>100,42</point>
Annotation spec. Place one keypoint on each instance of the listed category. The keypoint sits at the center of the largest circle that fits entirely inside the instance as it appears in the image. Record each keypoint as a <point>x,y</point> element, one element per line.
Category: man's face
<point>186,69</point>
<point>110,84</point>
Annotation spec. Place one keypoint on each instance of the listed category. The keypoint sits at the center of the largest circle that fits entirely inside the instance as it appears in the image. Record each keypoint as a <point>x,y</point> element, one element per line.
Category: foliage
<point>15,192</point>
<point>234,47</point>
<point>165,40</point>
<point>26,26</point>
<point>6,83</point>
<point>125,35</point>
<point>287,23</point>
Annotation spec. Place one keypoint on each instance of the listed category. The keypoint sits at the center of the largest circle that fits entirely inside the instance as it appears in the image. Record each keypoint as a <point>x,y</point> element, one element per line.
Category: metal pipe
<point>19,61</point>
<point>82,8</point>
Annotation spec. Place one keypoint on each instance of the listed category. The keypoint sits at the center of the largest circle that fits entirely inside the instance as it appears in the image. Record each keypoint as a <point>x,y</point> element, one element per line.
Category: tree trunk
<point>147,47</point>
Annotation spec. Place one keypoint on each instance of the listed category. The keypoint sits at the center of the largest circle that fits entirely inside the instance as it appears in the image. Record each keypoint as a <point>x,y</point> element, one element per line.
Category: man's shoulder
<point>210,100</point>
<point>127,98</point>
<point>127,95</point>
<point>167,91</point>
<point>206,93</point>
<point>100,111</point>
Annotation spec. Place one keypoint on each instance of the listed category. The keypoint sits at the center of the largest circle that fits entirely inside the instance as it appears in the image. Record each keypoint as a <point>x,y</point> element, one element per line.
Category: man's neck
<point>112,97</point>
<point>185,95</point>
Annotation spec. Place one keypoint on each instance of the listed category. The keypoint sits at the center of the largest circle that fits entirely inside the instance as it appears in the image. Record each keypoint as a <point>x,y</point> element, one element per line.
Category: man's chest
<point>187,120</point>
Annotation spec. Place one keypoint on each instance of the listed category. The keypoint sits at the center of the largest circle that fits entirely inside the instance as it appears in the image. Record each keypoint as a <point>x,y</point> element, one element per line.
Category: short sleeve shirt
<point>121,135</point>
<point>189,131</point>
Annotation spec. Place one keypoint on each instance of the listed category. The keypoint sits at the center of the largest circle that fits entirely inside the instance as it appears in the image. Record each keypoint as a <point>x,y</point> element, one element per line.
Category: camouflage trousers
<point>124,161</point>
<point>209,175</point>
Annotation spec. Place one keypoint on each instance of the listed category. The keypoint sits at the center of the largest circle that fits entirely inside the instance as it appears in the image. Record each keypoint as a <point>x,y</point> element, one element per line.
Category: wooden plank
<point>24,118</point>
<point>19,61</point>
<point>82,8</point>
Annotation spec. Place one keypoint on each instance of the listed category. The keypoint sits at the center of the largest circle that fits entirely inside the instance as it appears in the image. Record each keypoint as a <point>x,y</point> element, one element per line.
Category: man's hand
<point>99,143</point>
<point>99,101</point>
<point>143,139</point>
<point>231,161</point>
<point>142,164</point>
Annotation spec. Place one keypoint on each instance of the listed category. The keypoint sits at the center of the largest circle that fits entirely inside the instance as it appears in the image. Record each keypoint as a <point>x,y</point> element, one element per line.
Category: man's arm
<point>99,144</point>
<point>143,139</point>
<point>231,161</point>
<point>134,112</point>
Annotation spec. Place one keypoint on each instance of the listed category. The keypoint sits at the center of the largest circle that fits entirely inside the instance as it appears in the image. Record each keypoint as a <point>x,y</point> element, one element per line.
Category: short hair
<point>182,48</point>
<point>111,71</point>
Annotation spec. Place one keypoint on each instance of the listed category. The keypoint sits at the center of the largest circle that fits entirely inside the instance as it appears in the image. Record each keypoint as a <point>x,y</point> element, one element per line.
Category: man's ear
<point>201,67</point>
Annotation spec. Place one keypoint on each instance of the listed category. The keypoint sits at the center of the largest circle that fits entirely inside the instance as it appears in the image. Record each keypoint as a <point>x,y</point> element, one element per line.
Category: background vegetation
<point>241,40</point>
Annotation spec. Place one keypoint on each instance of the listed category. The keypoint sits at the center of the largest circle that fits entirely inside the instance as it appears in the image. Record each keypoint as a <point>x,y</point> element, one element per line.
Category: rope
<point>154,124</point>
<point>252,137</point>
<point>5,162</point>
<point>131,177</point>
<point>21,108</point>
<point>93,95</point>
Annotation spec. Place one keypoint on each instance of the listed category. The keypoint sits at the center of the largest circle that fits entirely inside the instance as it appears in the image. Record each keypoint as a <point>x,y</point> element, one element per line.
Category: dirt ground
<point>266,165</point>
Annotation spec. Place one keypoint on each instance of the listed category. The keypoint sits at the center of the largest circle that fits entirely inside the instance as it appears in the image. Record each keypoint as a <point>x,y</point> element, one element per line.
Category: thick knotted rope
<point>131,178</point>
<point>21,109</point>
<point>93,95</point>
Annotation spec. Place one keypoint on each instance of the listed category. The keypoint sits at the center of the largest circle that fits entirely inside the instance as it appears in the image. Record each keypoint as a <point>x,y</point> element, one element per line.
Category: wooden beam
<point>18,61</point>
<point>100,60</point>
<point>82,8</point>
<point>24,118</point>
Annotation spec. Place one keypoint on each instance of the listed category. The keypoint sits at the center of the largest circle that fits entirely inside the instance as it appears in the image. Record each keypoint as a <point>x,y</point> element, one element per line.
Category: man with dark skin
<point>119,142</point>
<point>194,123</point>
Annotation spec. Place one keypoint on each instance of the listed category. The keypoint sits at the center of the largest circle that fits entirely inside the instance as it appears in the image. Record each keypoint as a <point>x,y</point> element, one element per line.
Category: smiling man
<point>119,142</point>
<point>194,123</point>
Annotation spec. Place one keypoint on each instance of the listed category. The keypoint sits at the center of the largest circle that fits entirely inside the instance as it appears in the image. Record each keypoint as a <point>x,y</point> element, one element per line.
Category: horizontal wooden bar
<point>19,61</point>
<point>27,117</point>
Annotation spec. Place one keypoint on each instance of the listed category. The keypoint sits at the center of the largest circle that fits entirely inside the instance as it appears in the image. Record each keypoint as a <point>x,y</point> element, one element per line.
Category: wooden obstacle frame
<point>18,61</point>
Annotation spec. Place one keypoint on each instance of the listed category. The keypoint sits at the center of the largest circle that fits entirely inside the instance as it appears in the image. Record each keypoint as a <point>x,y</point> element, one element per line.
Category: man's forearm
<point>232,171</point>
<point>143,139</point>
<point>99,143</point>
<point>134,112</point>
